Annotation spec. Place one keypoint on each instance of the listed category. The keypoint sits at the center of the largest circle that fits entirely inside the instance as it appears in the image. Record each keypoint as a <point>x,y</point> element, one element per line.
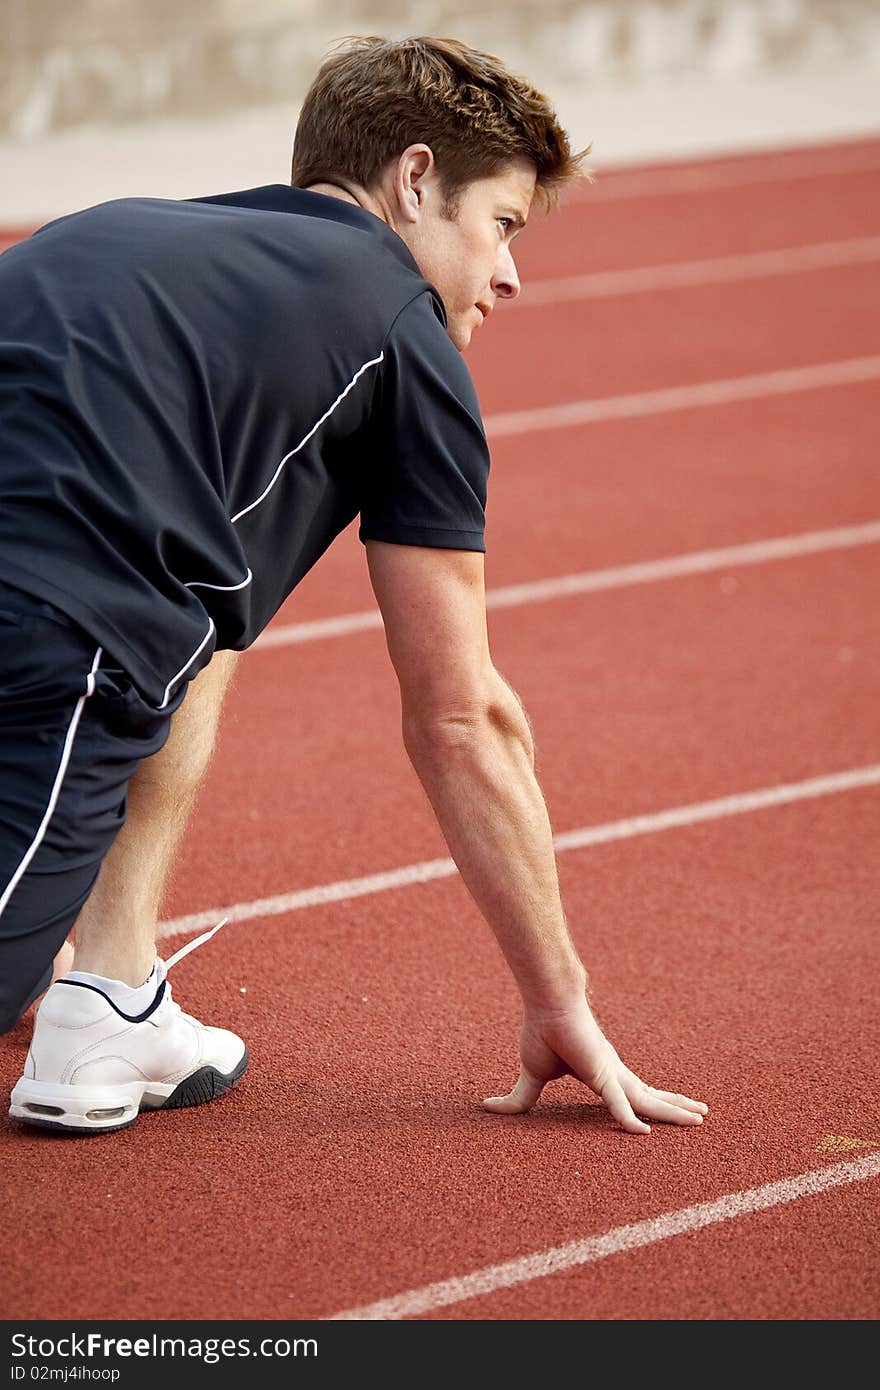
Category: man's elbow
<point>466,726</point>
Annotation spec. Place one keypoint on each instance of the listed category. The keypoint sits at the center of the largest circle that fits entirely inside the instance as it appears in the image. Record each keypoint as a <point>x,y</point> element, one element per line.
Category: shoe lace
<point>191,945</point>
<point>171,1004</point>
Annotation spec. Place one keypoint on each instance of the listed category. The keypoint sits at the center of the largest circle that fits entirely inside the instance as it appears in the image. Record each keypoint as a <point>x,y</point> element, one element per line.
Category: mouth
<point>485,310</point>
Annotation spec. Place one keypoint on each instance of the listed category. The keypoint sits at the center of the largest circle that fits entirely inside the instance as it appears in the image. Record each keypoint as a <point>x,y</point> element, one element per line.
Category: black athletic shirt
<point>197,396</point>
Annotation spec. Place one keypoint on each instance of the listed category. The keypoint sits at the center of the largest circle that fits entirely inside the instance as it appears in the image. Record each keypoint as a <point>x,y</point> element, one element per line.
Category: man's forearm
<point>478,773</point>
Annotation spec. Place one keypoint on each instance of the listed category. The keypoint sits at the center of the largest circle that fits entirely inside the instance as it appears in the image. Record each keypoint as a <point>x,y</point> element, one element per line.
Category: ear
<point>413,174</point>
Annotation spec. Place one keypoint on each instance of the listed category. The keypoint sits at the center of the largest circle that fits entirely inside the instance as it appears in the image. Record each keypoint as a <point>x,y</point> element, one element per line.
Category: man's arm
<point>470,743</point>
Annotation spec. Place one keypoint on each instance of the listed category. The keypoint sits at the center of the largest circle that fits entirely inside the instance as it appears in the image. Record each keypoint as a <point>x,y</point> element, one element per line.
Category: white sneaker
<point>91,1068</point>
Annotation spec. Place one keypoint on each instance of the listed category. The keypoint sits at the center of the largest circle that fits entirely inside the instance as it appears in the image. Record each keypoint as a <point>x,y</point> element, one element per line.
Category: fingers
<point>657,1109</point>
<point>617,1101</point>
<point>699,1107</point>
<point>523,1096</point>
<point>666,1106</point>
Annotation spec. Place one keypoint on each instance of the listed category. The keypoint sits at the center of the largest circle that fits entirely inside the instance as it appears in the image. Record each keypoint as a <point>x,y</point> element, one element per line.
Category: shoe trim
<point>129,1018</point>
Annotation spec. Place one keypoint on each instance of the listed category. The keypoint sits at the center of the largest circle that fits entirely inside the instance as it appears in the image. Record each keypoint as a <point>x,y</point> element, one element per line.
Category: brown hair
<point>373,97</point>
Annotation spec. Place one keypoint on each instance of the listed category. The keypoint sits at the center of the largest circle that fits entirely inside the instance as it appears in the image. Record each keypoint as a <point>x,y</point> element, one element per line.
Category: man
<point>198,396</point>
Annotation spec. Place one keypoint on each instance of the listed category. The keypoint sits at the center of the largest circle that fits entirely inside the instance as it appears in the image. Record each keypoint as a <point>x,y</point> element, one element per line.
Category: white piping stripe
<point>593,581</point>
<point>223,588</point>
<point>656,183</point>
<point>373,362</point>
<point>186,665</point>
<point>230,588</point>
<point>730,1207</point>
<point>203,584</point>
<point>66,751</point>
<point>648,279</point>
<point>705,393</point>
<point>428,870</point>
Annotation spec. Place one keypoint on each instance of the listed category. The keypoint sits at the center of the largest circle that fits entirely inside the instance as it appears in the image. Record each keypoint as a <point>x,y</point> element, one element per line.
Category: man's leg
<point>108,1038</point>
<point>116,929</point>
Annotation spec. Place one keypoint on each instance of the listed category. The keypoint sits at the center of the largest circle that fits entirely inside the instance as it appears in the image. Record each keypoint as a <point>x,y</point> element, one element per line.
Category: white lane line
<point>702,393</point>
<point>755,265</point>
<point>346,889</point>
<point>730,1207</point>
<point>318,628</point>
<point>656,183</point>
<point>592,581</point>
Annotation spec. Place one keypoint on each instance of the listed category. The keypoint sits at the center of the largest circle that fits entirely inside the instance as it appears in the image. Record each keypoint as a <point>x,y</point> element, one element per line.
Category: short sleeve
<point>423,481</point>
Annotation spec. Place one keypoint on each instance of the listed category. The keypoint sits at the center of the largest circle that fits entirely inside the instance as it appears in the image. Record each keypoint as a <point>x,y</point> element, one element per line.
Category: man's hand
<point>570,1043</point>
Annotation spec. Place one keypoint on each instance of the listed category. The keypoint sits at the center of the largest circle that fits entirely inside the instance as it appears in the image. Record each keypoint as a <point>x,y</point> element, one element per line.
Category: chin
<point>461,335</point>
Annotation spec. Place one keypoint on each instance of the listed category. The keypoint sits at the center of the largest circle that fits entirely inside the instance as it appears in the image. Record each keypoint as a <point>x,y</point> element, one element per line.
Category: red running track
<point>734,957</point>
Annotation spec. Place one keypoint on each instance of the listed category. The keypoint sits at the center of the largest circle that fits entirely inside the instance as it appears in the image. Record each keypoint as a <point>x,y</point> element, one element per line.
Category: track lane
<point>647,342</point>
<point>674,275</point>
<point>690,1277</point>
<point>358,1132</point>
<point>676,692</point>
<point>427,871</point>
<point>618,491</point>
<point>614,492</point>
<point>594,233</point>
<point>747,170</point>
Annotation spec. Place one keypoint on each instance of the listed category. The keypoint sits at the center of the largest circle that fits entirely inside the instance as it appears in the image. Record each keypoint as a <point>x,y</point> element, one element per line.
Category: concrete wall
<point>176,98</point>
<point>66,63</point>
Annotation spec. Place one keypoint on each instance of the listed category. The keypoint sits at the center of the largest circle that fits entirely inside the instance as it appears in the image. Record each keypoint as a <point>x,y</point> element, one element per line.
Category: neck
<point>353,193</point>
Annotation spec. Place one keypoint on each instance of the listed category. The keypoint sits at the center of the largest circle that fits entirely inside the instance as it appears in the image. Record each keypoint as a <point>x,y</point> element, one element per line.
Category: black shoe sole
<point>203,1086</point>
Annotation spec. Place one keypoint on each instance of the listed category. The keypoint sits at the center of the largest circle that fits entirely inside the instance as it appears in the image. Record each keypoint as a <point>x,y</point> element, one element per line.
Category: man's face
<point>467,256</point>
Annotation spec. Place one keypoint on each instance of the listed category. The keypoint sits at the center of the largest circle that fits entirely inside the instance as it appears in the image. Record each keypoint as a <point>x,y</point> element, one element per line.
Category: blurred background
<point>106,98</point>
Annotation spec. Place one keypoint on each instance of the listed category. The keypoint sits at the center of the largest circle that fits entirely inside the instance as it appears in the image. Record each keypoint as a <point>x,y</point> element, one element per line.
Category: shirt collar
<point>280,197</point>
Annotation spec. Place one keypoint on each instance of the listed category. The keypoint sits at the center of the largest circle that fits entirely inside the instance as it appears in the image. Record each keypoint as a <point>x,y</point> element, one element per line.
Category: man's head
<point>448,147</point>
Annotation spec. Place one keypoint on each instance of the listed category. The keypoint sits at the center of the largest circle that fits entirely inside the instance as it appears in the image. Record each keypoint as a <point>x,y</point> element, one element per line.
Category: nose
<point>505,281</point>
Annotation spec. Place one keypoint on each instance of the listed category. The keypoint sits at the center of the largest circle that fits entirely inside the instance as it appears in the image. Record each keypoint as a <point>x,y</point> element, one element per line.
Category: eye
<point>505,223</point>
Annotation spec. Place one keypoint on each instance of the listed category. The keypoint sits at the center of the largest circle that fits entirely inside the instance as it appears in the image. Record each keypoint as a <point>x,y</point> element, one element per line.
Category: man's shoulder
<point>365,257</point>
<point>317,211</point>
<point>303,261</point>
